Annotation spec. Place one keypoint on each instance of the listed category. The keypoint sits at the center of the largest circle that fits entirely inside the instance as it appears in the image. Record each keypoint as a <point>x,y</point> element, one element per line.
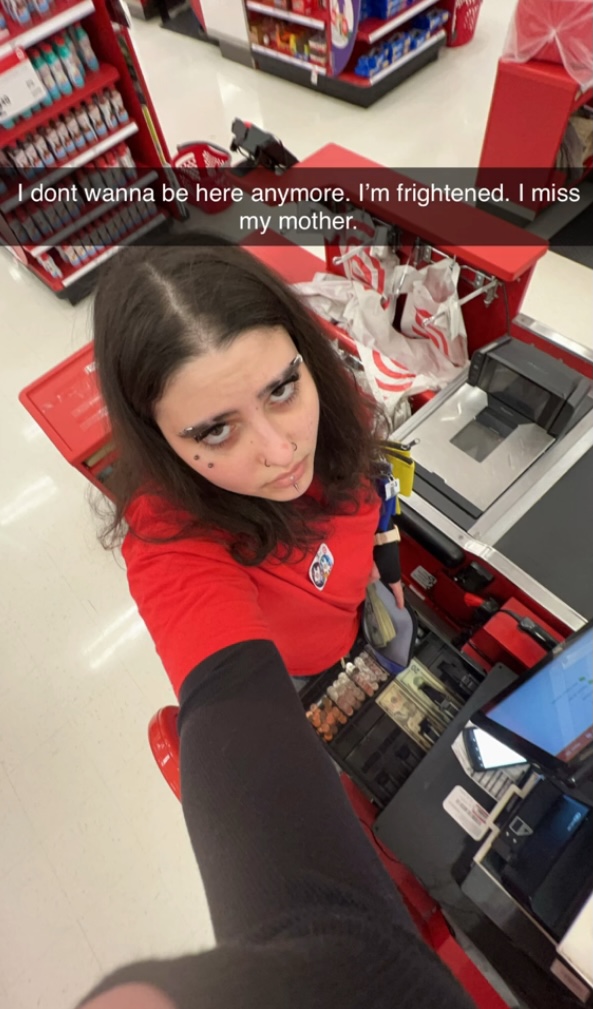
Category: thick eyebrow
<point>195,430</point>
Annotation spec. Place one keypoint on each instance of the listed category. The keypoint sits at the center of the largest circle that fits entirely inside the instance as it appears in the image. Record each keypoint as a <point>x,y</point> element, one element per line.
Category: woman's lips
<point>293,476</point>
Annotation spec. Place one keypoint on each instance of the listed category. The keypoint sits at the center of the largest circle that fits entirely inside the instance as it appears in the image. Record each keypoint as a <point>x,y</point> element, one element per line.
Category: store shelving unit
<point>297,19</point>
<point>89,217</point>
<point>267,53</point>
<point>372,29</point>
<point>13,200</point>
<point>345,83</point>
<point>119,68</point>
<point>63,16</point>
<point>436,40</point>
<point>74,275</point>
<point>94,82</point>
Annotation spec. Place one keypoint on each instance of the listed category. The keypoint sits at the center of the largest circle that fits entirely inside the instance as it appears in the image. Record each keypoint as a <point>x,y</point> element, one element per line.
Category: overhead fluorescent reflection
<point>34,496</point>
<point>31,431</point>
<point>127,626</point>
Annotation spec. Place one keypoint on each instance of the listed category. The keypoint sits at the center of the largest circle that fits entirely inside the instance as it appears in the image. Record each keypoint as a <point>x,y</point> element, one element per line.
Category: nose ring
<point>294,448</point>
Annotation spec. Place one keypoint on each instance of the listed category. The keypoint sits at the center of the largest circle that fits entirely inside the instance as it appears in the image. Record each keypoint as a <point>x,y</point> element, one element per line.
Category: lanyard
<point>388,489</point>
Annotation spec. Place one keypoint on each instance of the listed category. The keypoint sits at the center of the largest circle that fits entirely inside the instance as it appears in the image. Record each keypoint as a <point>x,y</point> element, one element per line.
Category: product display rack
<point>368,35</point>
<point>94,82</point>
<point>13,200</point>
<point>74,275</point>
<point>297,19</point>
<point>138,129</point>
<point>372,29</point>
<point>266,53</point>
<point>91,215</point>
<point>64,15</point>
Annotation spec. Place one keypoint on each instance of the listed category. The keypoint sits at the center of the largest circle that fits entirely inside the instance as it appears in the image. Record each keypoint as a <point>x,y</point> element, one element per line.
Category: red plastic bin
<point>203,164</point>
<point>463,21</point>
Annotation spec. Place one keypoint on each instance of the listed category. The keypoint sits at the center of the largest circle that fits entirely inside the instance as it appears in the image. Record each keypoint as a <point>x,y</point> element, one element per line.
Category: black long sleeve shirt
<point>304,914</point>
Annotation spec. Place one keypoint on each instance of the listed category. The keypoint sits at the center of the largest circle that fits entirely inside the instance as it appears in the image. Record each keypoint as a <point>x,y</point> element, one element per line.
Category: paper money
<point>419,674</point>
<point>405,712</point>
<point>437,701</point>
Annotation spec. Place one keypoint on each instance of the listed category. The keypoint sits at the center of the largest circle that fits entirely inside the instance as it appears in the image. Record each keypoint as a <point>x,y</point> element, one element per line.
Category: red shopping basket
<point>463,21</point>
<point>205,165</point>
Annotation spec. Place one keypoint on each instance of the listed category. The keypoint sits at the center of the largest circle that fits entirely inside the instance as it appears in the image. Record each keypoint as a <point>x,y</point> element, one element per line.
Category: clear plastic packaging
<point>555,31</point>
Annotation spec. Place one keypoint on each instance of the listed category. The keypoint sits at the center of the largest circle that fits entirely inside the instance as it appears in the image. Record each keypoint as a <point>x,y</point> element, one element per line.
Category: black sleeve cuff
<point>386,557</point>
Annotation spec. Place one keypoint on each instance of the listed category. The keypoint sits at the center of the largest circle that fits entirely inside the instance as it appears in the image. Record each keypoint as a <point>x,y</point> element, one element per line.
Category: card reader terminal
<point>542,856</point>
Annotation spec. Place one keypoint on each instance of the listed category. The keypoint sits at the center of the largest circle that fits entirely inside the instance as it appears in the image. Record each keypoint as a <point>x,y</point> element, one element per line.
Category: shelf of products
<point>95,99</point>
<point>94,82</point>
<point>369,82</point>
<point>298,19</point>
<point>95,151</point>
<point>372,29</point>
<point>62,16</point>
<point>285,58</point>
<point>91,215</point>
<point>102,257</point>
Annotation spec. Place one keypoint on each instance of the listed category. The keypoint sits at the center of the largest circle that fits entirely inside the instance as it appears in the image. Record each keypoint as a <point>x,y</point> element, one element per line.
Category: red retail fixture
<point>139,129</point>
<point>542,81</point>
<point>529,112</point>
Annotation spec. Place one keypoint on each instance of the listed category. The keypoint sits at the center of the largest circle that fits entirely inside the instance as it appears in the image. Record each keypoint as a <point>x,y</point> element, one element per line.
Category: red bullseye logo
<point>428,331</point>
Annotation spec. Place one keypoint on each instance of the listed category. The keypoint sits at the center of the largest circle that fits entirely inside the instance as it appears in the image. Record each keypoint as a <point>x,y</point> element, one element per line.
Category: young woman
<point>247,456</point>
<point>246,488</point>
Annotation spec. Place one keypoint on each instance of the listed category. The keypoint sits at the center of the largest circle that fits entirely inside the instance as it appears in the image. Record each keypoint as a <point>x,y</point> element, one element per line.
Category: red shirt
<point>195,599</point>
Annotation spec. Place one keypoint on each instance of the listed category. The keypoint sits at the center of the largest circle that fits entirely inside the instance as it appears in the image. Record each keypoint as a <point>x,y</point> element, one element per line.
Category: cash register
<point>538,854</point>
<point>520,888</point>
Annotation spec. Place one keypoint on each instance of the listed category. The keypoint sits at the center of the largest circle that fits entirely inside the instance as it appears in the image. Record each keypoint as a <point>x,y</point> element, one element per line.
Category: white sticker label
<point>20,86</point>
<point>565,975</point>
<point>314,78</point>
<point>467,812</point>
<point>424,578</point>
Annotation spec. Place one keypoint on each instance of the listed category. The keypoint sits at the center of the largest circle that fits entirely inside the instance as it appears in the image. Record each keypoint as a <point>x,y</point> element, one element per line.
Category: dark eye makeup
<point>291,377</point>
<point>216,429</point>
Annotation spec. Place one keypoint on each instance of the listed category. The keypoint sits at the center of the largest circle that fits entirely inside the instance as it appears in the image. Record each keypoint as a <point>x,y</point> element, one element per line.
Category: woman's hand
<point>396,587</point>
<point>398,594</point>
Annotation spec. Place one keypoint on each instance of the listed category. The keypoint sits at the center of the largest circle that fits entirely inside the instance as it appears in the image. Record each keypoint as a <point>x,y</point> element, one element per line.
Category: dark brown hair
<point>157,308</point>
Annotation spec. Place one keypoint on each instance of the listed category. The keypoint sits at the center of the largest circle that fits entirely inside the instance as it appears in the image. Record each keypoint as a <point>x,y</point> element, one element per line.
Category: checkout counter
<point>504,459</point>
<point>497,559</point>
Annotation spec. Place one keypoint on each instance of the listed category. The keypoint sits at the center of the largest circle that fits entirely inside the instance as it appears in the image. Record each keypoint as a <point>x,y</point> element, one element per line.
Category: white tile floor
<point>95,866</point>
